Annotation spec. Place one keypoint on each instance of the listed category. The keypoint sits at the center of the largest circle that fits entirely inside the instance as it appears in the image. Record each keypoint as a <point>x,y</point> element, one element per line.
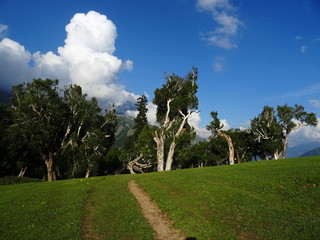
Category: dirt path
<point>155,216</point>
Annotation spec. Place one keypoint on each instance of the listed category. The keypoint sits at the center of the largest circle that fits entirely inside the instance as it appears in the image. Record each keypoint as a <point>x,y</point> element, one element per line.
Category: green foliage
<point>15,180</point>
<point>141,120</point>
<point>268,133</point>
<point>215,125</point>
<point>243,144</point>
<point>39,115</point>
<point>181,90</point>
<point>66,129</point>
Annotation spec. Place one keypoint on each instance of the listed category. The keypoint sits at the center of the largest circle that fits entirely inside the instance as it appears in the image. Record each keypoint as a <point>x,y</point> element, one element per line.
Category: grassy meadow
<point>257,200</point>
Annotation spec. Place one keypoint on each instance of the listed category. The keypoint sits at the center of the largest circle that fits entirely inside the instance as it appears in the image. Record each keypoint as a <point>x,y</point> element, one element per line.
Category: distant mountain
<point>297,151</point>
<point>313,152</point>
<point>125,125</point>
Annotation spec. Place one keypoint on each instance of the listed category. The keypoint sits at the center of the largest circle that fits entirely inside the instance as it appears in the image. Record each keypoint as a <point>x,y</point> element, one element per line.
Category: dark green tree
<point>292,118</point>
<point>40,118</point>
<point>267,133</point>
<point>7,166</point>
<point>215,126</point>
<point>141,119</point>
<point>175,101</point>
<point>138,153</point>
<point>89,134</point>
<point>242,144</point>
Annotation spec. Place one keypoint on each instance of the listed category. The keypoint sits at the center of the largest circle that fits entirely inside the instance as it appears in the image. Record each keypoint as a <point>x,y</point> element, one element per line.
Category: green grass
<point>260,200</point>
<point>42,210</point>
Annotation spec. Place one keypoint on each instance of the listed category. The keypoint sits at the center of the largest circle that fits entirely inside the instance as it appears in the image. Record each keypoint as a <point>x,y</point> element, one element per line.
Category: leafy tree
<point>65,130</point>
<point>6,165</point>
<point>215,126</point>
<point>292,118</point>
<point>175,101</point>
<point>242,144</point>
<point>268,133</point>
<point>141,120</point>
<point>89,135</point>
<point>138,153</point>
<point>39,115</point>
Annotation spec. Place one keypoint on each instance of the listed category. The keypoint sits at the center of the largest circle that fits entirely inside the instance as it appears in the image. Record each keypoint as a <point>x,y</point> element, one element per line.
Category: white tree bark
<point>230,145</point>
<point>173,143</point>
<point>159,138</point>
<point>22,172</point>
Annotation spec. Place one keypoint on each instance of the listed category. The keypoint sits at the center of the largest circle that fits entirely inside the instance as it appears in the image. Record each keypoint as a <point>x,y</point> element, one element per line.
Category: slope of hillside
<point>256,200</point>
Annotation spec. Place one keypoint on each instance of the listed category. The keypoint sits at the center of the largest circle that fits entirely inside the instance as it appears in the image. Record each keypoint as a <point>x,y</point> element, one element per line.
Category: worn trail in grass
<point>155,216</point>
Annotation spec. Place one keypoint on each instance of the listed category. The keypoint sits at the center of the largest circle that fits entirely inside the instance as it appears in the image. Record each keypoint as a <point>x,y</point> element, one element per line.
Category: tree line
<point>53,133</point>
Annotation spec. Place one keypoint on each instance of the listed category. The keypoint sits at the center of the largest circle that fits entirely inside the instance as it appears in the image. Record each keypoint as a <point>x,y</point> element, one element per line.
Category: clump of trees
<point>59,129</point>
<point>61,133</point>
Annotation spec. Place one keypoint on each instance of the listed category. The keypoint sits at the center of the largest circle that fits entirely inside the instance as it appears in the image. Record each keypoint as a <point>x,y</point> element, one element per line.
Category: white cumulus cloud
<point>194,121</point>
<point>315,103</point>
<point>305,135</point>
<point>87,59</point>
<point>3,30</point>
<point>14,64</point>
<point>228,23</point>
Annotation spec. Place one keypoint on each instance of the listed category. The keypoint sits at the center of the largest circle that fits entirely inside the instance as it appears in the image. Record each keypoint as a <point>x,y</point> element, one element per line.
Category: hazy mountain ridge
<point>313,152</point>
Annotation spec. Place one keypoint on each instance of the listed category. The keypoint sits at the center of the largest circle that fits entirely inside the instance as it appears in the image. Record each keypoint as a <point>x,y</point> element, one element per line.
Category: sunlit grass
<point>259,200</point>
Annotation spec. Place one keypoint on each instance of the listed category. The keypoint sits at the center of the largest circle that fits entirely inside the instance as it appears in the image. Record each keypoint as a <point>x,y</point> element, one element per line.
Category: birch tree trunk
<point>159,138</point>
<point>284,151</point>
<point>22,172</point>
<point>170,155</point>
<point>49,163</point>
<point>230,145</point>
<point>88,173</point>
<point>173,143</point>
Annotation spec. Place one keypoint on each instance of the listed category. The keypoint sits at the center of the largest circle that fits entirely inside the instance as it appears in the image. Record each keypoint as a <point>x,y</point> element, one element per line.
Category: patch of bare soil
<point>248,236</point>
<point>87,229</point>
<point>155,216</point>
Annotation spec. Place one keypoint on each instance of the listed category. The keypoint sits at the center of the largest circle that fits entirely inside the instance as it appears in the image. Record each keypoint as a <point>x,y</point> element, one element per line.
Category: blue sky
<point>249,53</point>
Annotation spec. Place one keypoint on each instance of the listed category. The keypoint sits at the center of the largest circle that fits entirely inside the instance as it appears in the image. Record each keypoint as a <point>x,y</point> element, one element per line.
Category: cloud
<point>151,113</point>
<point>304,92</point>
<point>226,125</point>
<point>3,30</point>
<point>305,135</point>
<point>87,59</point>
<point>228,24</point>
<point>194,121</point>
<point>14,64</point>
<point>298,38</point>
<point>303,49</point>
<point>316,39</point>
<point>314,103</point>
<point>218,64</point>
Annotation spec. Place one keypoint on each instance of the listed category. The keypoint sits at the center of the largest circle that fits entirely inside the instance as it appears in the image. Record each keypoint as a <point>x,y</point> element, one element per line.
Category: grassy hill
<point>258,200</point>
